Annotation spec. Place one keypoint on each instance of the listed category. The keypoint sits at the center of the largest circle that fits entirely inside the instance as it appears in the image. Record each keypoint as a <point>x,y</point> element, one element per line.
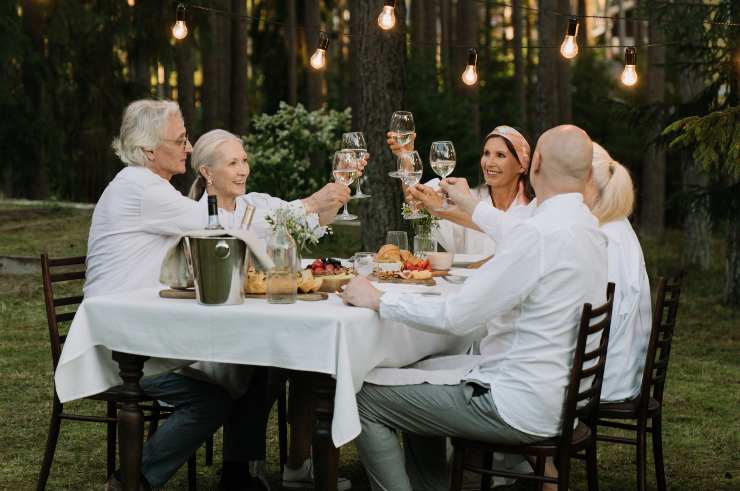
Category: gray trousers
<point>426,414</point>
<point>200,409</point>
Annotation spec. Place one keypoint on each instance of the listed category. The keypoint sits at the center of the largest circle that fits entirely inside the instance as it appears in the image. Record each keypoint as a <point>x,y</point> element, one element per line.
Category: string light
<point>629,75</point>
<point>180,30</point>
<point>470,74</point>
<point>318,58</point>
<point>569,48</point>
<point>387,17</point>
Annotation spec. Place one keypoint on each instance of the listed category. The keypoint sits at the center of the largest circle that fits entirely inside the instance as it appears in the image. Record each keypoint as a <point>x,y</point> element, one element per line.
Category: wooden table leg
<point>130,419</point>
<point>325,454</point>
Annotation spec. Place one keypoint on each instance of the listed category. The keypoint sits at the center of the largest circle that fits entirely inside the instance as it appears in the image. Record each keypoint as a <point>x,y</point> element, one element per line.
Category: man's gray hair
<point>143,128</point>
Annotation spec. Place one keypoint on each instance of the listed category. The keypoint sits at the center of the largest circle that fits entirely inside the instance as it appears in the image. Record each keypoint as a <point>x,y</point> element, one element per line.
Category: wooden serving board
<point>426,282</point>
<point>190,295</point>
<point>440,272</point>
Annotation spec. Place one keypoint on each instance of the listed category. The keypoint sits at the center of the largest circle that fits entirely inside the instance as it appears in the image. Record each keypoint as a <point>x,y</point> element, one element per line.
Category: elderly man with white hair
<point>139,216</point>
<point>543,273</point>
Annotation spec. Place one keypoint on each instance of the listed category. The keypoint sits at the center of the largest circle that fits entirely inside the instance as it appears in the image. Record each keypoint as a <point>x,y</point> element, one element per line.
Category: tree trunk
<point>314,78</point>
<point>652,211</point>
<point>378,63</point>
<point>239,69</point>
<point>732,283</point>
<point>445,21</point>
<point>467,37</point>
<point>430,31</point>
<point>584,29</point>
<point>520,86</point>
<point>217,69</point>
<point>531,68</point>
<point>185,63</point>
<point>547,68</point>
<point>291,48</point>
<point>564,68</point>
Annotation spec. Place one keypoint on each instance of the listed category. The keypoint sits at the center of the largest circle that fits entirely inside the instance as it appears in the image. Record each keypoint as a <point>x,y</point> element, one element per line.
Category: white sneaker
<point>302,478</point>
<point>258,469</point>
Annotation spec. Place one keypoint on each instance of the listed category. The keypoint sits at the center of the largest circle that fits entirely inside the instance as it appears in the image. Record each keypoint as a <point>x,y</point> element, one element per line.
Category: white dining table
<point>325,337</point>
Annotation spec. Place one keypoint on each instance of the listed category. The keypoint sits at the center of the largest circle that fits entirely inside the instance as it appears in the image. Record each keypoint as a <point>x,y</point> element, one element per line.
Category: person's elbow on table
<point>361,293</point>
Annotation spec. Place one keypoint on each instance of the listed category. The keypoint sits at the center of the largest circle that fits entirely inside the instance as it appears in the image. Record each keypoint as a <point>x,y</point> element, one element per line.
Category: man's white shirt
<point>545,269</point>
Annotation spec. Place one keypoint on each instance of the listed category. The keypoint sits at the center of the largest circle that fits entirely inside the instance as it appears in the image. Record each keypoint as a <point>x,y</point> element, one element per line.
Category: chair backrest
<point>583,393</point>
<point>60,310</point>
<point>661,337</point>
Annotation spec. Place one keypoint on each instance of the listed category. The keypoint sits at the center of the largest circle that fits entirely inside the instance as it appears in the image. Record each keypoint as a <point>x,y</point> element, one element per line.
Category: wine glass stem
<point>345,212</point>
<point>358,190</point>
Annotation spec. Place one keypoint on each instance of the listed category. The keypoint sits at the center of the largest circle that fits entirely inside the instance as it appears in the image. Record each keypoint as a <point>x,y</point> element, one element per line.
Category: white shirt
<point>549,266</point>
<point>459,239</point>
<point>138,218</point>
<point>632,311</point>
<point>264,204</point>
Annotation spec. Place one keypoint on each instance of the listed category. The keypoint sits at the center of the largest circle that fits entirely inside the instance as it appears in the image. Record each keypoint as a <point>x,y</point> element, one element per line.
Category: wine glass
<point>356,141</point>
<point>402,127</point>
<point>442,158</point>
<point>397,238</point>
<point>344,170</point>
<point>410,169</point>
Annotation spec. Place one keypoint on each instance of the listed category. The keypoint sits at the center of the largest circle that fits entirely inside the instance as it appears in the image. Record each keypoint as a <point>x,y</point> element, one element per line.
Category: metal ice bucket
<point>217,264</point>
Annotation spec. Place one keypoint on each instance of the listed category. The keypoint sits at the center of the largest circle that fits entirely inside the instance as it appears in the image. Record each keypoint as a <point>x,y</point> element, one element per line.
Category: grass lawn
<point>701,428</point>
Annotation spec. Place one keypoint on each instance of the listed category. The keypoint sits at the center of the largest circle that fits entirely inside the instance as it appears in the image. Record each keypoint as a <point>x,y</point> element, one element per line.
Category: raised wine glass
<point>410,169</point>
<point>442,159</point>
<point>344,170</point>
<point>402,127</point>
<point>356,141</point>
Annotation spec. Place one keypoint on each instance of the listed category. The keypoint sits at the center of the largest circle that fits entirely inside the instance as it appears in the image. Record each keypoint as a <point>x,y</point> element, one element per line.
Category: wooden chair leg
<point>485,479</point>
<point>282,428</point>
<point>658,452</point>
<point>641,457</point>
<point>209,451</point>
<point>51,445</point>
<point>592,470</point>
<point>458,459</point>
<point>563,471</point>
<point>111,412</point>
<point>539,470</point>
<point>192,476</point>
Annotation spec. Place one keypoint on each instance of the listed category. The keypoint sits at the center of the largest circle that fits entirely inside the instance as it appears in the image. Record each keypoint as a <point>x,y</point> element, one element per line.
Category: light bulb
<point>629,74</point>
<point>318,58</point>
<point>131,3</point>
<point>470,75</point>
<point>180,30</point>
<point>387,17</point>
<point>569,48</point>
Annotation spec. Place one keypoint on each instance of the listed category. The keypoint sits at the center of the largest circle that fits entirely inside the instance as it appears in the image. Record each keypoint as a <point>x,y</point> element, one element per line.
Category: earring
<point>209,181</point>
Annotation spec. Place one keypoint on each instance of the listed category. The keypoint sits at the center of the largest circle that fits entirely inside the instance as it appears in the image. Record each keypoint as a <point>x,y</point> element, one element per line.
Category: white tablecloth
<point>325,337</point>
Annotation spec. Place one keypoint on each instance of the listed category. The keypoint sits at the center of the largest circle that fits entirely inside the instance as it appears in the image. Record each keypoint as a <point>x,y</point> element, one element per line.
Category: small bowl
<point>440,260</point>
<point>388,266</point>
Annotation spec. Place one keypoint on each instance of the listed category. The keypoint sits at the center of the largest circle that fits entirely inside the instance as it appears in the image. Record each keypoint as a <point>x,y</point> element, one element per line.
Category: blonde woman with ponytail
<point>611,196</point>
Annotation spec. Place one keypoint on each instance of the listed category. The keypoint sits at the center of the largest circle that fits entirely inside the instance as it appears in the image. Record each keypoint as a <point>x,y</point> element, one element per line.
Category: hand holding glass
<point>402,127</point>
<point>356,141</point>
<point>442,159</point>
<point>344,170</point>
<point>410,169</point>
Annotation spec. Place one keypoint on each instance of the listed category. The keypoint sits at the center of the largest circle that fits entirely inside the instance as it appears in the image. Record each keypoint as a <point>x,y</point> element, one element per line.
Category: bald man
<point>544,270</point>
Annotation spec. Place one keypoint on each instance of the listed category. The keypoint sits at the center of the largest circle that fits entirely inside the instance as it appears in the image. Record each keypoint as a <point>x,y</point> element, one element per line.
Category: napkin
<point>174,271</point>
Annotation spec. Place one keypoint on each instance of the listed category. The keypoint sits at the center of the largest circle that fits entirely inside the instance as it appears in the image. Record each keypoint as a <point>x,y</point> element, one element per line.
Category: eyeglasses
<point>181,142</point>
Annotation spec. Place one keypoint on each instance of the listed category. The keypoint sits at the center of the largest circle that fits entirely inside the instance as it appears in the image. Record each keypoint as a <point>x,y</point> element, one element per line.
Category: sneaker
<point>302,478</point>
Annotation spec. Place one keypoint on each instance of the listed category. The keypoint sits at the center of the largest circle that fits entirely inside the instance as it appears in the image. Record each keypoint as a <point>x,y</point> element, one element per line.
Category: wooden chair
<point>62,270</point>
<point>649,402</point>
<point>581,400</point>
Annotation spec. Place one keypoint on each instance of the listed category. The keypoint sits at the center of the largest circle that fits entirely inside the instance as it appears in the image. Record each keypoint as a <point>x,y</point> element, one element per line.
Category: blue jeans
<point>200,409</point>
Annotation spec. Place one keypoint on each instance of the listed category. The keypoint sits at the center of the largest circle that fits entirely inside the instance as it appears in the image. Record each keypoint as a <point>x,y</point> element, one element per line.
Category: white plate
<point>462,260</point>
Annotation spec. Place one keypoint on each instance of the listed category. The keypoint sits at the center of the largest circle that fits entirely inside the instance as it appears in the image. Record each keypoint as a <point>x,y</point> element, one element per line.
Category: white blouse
<point>631,317</point>
<point>542,274</point>
<point>458,239</point>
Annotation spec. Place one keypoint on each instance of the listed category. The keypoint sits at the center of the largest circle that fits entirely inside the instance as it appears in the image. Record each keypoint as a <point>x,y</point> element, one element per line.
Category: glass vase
<point>282,285</point>
<point>424,244</point>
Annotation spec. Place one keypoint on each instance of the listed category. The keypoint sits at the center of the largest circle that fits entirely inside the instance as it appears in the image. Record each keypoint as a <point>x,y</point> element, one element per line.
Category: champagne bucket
<point>217,265</point>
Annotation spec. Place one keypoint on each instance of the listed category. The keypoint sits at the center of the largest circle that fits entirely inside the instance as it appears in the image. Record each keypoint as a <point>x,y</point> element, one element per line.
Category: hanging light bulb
<point>569,48</point>
<point>387,17</point>
<point>629,75</point>
<point>318,58</point>
<point>470,75</point>
<point>180,30</point>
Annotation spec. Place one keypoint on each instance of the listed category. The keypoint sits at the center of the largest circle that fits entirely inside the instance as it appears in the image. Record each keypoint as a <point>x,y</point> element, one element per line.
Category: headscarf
<point>521,147</point>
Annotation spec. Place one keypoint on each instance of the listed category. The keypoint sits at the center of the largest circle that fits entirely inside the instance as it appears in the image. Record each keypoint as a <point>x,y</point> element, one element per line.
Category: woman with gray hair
<point>139,216</point>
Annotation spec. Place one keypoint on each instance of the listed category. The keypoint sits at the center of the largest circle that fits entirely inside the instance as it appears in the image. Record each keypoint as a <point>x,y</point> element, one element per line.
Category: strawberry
<point>424,264</point>
<point>408,265</point>
<point>319,270</point>
<point>329,268</point>
<point>318,263</point>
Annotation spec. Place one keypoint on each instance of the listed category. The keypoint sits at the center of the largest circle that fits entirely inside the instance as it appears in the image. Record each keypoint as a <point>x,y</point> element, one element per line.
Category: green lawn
<point>701,427</point>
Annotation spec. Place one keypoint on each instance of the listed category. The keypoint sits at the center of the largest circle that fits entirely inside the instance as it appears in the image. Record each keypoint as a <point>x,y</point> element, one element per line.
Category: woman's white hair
<point>616,196</point>
<point>143,128</point>
<point>205,154</point>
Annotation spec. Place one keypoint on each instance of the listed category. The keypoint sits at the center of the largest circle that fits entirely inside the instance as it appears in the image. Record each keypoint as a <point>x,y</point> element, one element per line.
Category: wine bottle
<point>213,223</point>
